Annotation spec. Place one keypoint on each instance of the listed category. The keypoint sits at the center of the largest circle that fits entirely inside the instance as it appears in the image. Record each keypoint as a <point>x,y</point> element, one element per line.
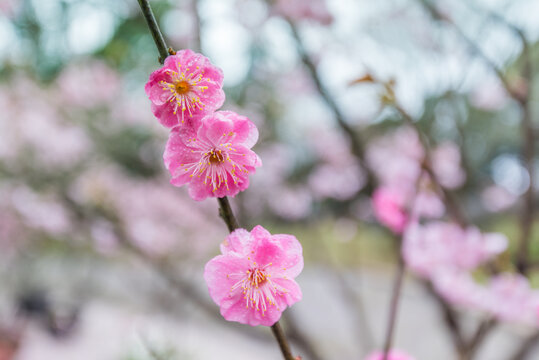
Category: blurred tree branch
<point>396,294</point>
<point>526,347</point>
<point>522,97</point>
<point>356,145</point>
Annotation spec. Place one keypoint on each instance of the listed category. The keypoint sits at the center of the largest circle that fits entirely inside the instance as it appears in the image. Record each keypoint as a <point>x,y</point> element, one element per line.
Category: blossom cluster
<point>407,192</point>
<point>408,202</point>
<point>210,151</point>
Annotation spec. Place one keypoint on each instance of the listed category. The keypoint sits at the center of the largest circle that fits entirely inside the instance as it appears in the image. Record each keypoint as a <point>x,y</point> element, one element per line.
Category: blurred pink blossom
<point>441,245</point>
<point>54,144</point>
<point>510,298</point>
<point>496,198</point>
<point>187,87</point>
<point>458,287</point>
<point>12,231</point>
<point>9,7</point>
<point>89,84</point>
<point>426,202</point>
<point>338,182</point>
<point>217,160</point>
<point>290,203</point>
<point>489,95</point>
<point>321,139</point>
<point>389,208</point>
<point>156,217</point>
<point>277,164</point>
<point>253,280</point>
<point>445,159</point>
<point>104,237</point>
<point>393,355</point>
<point>41,212</point>
<point>41,133</point>
<point>396,160</point>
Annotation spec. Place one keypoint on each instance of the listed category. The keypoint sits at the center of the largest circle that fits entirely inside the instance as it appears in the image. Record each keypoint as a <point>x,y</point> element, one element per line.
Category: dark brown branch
<point>154,29</point>
<point>281,339</point>
<point>484,328</point>
<point>225,212</point>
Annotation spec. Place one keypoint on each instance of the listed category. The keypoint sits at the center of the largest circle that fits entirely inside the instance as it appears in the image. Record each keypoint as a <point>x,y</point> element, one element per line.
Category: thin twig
<point>526,125</point>
<point>225,212</point>
<point>281,339</point>
<point>158,38</point>
<point>224,206</point>
<point>474,48</point>
<point>449,199</point>
<point>397,288</point>
<point>465,348</point>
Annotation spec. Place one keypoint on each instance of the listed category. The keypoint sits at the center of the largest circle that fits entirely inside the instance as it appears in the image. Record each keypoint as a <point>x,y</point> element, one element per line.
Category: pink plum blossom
<point>393,355</point>
<point>440,245</point>
<point>389,208</point>
<point>253,280</point>
<point>187,87</point>
<point>217,160</point>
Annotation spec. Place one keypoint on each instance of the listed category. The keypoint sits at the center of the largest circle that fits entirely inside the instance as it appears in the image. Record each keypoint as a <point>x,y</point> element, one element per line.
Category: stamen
<point>260,292</point>
<point>182,87</point>
<point>215,166</point>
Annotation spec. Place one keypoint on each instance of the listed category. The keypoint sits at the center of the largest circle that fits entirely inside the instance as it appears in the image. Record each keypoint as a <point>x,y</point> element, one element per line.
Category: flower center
<point>216,157</point>
<point>257,277</point>
<point>182,87</point>
<point>257,289</point>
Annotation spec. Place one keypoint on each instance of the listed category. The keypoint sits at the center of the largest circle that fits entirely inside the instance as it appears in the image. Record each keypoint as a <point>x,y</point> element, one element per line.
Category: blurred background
<point>101,258</point>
